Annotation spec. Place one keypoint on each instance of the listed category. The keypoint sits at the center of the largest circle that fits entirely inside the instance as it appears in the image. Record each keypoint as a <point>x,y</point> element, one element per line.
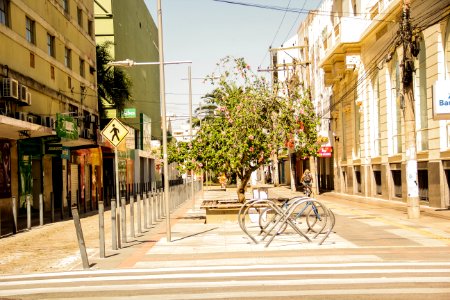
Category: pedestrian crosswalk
<point>350,280</point>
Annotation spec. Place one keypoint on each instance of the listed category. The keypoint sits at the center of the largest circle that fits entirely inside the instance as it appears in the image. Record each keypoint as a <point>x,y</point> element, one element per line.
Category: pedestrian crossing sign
<point>115,132</point>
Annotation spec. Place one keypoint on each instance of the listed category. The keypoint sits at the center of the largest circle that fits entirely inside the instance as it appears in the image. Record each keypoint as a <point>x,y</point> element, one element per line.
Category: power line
<point>281,23</point>
<point>307,11</point>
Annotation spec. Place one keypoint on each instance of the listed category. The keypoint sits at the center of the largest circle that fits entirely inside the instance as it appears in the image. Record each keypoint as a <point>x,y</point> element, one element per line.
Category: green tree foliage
<point>250,124</point>
<point>114,86</point>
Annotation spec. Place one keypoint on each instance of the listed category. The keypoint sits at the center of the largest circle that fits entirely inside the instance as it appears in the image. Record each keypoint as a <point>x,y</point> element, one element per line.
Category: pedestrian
<point>307,180</point>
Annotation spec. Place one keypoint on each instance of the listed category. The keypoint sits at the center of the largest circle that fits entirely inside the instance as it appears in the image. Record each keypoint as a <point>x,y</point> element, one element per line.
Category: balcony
<point>345,39</point>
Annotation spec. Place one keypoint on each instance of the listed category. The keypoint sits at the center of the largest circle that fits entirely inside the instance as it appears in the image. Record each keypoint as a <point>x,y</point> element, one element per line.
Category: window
<point>82,72</point>
<point>52,72</point>
<point>32,60</point>
<point>68,58</point>
<point>420,89</point>
<point>30,30</point>
<point>375,123</point>
<point>50,45</point>
<point>394,109</point>
<point>80,17</point>
<point>69,82</point>
<point>4,12</point>
<point>65,5</point>
<point>91,28</point>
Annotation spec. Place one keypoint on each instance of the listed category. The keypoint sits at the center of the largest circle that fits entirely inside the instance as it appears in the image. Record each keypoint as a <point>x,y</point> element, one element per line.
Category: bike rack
<point>281,218</point>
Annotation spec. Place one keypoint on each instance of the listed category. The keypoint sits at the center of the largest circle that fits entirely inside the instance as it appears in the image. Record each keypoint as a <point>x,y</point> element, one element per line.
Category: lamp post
<point>161,63</point>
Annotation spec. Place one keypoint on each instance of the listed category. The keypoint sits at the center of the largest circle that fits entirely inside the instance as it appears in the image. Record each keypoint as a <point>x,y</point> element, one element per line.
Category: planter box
<point>219,211</point>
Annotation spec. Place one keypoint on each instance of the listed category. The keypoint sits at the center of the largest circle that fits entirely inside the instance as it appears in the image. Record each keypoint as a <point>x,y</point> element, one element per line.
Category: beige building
<point>358,52</point>
<point>48,101</point>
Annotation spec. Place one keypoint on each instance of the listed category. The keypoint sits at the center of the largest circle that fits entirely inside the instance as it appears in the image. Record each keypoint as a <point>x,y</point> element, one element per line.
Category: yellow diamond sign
<point>115,132</point>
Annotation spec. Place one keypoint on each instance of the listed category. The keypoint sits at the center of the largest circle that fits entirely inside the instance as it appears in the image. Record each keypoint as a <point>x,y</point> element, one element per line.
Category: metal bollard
<point>145,210</point>
<point>113,224</point>
<point>138,208</point>
<point>123,218</point>
<point>52,206</point>
<point>28,203</point>
<point>150,204</point>
<point>132,232</point>
<point>80,237</point>
<point>41,210</point>
<point>14,211</point>
<point>101,229</point>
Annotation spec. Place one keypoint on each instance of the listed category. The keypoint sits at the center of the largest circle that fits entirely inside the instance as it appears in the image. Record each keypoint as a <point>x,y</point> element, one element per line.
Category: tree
<point>114,86</point>
<point>251,124</point>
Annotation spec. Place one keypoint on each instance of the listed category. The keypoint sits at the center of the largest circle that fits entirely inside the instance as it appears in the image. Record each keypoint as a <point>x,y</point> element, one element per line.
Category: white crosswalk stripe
<point>238,281</point>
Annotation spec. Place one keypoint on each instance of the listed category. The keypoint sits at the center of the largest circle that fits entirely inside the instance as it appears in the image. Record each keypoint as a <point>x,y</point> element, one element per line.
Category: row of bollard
<point>28,199</point>
<point>145,211</point>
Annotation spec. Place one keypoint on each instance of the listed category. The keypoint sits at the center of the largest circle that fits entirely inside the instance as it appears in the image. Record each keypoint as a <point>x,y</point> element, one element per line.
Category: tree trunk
<point>292,160</point>
<point>275,175</point>
<point>242,188</point>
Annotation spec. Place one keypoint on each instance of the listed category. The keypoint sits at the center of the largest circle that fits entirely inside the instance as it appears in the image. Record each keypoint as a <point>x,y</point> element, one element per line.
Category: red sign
<point>325,151</point>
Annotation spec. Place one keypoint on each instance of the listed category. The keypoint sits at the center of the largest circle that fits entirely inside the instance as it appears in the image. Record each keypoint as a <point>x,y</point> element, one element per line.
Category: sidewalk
<point>54,247</point>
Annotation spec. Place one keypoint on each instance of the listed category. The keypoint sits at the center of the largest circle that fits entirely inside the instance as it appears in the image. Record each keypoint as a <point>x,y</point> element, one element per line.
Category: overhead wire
<point>362,16</point>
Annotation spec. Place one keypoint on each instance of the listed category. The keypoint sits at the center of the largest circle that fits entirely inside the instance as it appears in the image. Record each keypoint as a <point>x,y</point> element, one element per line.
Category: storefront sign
<point>129,113</point>
<point>66,127</point>
<point>441,100</point>
<point>5,169</point>
<point>325,151</point>
<point>55,149</point>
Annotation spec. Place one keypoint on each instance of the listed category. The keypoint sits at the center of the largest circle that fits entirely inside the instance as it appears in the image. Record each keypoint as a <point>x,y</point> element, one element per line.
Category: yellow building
<point>48,101</point>
<point>359,53</point>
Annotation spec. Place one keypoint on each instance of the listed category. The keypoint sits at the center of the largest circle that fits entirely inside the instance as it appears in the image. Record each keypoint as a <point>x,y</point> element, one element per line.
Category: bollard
<point>150,205</point>
<point>28,203</point>
<point>41,210</point>
<point>52,206</point>
<point>14,211</point>
<point>123,219</point>
<point>153,212</point>
<point>145,210</point>
<point>113,224</point>
<point>159,208</point>
<point>138,207</point>
<point>101,229</point>
<point>132,232</point>
<point>80,237</point>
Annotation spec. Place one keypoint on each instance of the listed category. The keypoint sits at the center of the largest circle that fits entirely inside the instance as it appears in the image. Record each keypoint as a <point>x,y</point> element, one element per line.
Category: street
<point>374,252</point>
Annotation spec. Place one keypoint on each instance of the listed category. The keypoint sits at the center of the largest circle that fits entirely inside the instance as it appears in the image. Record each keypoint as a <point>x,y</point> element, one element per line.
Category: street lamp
<point>130,63</point>
<point>161,63</point>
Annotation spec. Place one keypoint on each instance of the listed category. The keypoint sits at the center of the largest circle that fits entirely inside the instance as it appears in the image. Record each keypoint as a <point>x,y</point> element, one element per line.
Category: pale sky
<point>204,31</point>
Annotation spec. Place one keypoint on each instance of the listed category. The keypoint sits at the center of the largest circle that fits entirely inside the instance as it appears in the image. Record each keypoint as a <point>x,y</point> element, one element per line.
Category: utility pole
<point>408,113</point>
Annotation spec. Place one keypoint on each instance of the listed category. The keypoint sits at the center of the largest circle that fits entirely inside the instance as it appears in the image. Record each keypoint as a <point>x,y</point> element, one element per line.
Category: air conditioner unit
<point>10,88</point>
<point>50,122</point>
<point>20,115</point>
<point>28,98</point>
<point>23,90</point>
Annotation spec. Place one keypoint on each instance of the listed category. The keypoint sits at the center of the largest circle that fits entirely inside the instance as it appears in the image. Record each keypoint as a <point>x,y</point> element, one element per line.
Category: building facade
<point>48,103</point>
<point>360,52</point>
<point>134,35</point>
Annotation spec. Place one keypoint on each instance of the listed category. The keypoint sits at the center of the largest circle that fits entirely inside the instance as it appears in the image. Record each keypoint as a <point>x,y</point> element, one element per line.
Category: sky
<point>204,31</point>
